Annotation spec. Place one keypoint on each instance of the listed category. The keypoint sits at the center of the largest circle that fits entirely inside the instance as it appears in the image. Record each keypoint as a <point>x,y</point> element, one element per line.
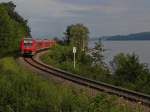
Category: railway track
<point>96,85</point>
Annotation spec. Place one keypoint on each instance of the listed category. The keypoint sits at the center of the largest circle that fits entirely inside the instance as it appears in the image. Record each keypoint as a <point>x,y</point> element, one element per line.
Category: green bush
<point>24,91</point>
<point>12,29</point>
<point>131,73</point>
<point>62,57</point>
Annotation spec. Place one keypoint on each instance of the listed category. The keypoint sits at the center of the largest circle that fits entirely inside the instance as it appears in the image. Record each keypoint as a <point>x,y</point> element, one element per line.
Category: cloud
<point>101,16</point>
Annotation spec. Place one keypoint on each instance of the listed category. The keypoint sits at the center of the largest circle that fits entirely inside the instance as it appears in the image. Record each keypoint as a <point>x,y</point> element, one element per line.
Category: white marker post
<point>74,52</point>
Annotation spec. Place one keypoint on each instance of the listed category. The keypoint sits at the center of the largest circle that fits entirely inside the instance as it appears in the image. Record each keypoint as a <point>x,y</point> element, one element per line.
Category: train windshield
<point>28,43</point>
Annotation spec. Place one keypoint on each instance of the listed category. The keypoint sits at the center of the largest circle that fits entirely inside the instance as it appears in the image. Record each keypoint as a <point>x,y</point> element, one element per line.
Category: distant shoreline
<point>125,40</point>
<point>143,36</point>
<point>117,40</point>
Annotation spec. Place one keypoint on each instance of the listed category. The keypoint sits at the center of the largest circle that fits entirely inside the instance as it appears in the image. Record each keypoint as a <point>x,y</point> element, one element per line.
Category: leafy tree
<point>12,28</point>
<point>129,69</point>
<point>97,53</point>
<point>85,59</point>
<point>77,35</point>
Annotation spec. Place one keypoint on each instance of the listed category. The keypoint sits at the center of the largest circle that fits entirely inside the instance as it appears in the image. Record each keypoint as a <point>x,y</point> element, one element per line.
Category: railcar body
<point>30,46</point>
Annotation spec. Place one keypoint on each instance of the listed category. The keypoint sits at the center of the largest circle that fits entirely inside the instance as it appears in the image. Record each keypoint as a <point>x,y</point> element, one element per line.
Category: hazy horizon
<point>102,17</point>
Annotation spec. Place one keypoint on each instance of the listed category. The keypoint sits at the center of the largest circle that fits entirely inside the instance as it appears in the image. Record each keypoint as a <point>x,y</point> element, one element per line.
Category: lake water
<point>141,48</point>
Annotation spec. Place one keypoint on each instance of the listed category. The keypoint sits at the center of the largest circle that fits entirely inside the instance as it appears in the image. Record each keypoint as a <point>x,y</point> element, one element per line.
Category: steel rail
<point>96,85</point>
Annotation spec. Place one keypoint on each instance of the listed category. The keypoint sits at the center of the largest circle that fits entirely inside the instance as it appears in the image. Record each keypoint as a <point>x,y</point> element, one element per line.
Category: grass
<point>97,73</point>
<point>61,56</point>
<point>24,91</point>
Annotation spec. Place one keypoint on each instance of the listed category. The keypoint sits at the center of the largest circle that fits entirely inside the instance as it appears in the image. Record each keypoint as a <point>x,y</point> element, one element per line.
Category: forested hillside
<point>136,36</point>
<point>12,28</point>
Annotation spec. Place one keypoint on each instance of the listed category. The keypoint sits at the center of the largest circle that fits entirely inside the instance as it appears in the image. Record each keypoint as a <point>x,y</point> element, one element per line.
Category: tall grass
<point>24,91</point>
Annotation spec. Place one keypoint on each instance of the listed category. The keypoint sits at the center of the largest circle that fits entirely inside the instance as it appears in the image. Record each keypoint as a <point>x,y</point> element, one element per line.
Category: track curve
<point>96,85</point>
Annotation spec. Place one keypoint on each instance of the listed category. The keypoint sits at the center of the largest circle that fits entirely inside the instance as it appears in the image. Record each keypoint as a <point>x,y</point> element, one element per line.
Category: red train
<point>30,46</point>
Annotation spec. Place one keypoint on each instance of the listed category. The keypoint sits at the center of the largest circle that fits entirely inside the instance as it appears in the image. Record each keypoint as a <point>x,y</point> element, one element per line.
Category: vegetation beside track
<point>58,56</point>
<point>24,91</point>
<point>12,28</point>
<point>129,72</point>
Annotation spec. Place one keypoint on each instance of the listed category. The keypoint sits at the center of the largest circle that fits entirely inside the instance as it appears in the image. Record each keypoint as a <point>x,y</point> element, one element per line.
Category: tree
<point>77,35</point>
<point>12,28</point>
<point>97,53</point>
<point>129,69</point>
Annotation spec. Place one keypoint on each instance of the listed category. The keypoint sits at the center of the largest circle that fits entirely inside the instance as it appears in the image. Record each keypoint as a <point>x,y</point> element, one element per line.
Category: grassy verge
<point>59,58</point>
<point>24,91</point>
<point>134,77</point>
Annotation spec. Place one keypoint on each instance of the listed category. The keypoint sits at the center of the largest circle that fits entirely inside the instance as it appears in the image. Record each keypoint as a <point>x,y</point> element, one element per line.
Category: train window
<point>27,44</point>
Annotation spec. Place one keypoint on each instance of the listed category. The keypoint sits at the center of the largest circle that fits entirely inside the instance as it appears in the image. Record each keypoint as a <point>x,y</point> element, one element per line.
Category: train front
<point>28,47</point>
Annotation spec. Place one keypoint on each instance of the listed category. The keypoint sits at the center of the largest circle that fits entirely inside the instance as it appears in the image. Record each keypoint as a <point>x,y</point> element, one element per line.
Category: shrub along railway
<point>96,85</point>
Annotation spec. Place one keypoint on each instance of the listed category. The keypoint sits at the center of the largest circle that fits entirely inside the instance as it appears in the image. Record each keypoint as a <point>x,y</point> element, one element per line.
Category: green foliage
<point>62,57</point>
<point>61,53</point>
<point>106,104</point>
<point>24,91</point>
<point>97,54</point>
<point>131,73</point>
<point>85,59</point>
<point>12,28</point>
<point>128,67</point>
<point>77,35</point>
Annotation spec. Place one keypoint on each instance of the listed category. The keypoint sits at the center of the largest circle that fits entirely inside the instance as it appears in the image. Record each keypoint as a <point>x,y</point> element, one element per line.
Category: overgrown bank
<point>24,91</point>
<point>129,72</point>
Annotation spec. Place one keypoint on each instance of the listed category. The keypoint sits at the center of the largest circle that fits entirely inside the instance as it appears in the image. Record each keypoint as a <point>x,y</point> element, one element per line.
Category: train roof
<point>38,40</point>
<point>28,38</point>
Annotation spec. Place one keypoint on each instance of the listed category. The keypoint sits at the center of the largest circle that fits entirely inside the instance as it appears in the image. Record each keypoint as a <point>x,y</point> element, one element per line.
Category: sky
<point>102,17</point>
